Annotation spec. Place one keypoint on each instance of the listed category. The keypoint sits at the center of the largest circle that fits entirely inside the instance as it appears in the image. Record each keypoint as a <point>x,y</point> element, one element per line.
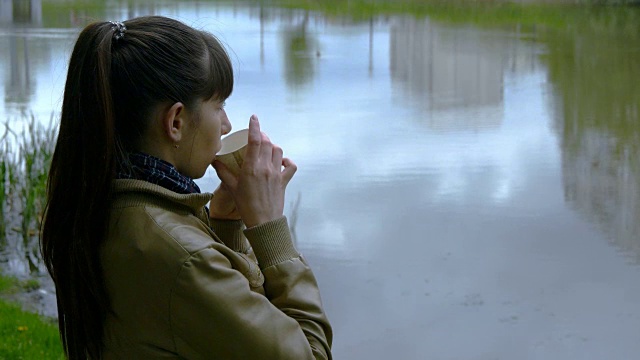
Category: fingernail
<point>254,118</point>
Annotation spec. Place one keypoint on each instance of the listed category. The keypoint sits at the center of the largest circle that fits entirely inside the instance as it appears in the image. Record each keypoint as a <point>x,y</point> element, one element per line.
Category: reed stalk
<point>24,166</point>
<point>8,181</point>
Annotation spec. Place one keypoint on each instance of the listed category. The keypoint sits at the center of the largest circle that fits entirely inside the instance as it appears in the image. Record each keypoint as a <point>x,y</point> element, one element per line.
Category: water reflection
<point>597,117</point>
<point>33,63</point>
<point>301,50</point>
<point>21,12</point>
<point>448,67</point>
<point>442,68</point>
<point>19,83</point>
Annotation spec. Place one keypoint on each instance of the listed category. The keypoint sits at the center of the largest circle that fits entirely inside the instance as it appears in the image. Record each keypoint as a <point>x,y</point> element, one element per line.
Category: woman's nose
<point>226,125</point>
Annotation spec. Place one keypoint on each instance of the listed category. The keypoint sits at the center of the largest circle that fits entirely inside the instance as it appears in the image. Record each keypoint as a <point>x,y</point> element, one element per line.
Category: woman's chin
<point>200,174</point>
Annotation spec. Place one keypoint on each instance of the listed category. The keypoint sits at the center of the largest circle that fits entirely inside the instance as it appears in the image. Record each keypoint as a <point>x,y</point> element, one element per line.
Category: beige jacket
<point>183,288</point>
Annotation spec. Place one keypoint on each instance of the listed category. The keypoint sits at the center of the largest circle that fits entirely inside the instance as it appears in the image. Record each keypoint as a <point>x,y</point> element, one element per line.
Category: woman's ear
<point>173,121</point>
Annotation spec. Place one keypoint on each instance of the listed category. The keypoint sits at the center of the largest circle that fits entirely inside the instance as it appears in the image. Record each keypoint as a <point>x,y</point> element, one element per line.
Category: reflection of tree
<point>444,68</point>
<point>595,72</point>
<point>21,11</point>
<point>452,67</point>
<point>19,83</point>
<point>300,51</point>
<point>19,80</point>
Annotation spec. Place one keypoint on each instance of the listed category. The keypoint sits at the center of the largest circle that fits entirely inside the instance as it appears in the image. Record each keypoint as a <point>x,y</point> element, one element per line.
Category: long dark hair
<point>112,87</point>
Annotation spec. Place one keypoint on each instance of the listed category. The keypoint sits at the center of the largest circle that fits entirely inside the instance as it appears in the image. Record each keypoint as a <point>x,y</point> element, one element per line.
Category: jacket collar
<point>134,192</point>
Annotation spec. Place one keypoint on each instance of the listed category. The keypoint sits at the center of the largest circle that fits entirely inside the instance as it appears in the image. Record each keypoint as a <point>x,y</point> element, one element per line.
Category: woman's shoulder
<point>147,213</point>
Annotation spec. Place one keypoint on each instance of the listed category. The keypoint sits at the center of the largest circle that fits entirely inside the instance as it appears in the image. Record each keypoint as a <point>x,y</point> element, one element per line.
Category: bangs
<point>219,80</point>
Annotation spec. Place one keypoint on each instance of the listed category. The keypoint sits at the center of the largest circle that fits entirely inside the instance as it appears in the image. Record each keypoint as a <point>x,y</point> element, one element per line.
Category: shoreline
<point>40,299</point>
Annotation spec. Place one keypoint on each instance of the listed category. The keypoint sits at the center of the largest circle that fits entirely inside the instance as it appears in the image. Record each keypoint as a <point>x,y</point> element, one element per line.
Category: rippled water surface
<point>464,191</point>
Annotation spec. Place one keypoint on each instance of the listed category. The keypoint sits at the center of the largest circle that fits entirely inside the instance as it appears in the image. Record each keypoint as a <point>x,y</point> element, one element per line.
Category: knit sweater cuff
<point>271,242</point>
<point>230,232</point>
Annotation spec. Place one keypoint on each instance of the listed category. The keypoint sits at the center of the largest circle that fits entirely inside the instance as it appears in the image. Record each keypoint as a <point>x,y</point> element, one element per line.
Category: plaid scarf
<point>156,171</point>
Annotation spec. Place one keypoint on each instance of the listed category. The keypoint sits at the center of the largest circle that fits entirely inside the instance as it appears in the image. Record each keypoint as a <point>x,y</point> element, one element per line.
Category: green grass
<point>25,335</point>
<point>465,11</point>
<point>480,13</point>
<point>8,285</point>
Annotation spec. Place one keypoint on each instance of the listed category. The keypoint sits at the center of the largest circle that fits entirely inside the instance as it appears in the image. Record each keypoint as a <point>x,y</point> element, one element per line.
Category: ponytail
<point>79,188</point>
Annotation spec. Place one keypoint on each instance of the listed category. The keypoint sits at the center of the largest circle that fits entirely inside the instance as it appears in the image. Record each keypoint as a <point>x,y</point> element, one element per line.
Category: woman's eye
<point>224,103</point>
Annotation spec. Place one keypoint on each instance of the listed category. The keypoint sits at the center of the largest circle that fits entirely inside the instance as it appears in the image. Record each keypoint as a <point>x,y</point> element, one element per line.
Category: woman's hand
<point>258,192</point>
<point>222,205</point>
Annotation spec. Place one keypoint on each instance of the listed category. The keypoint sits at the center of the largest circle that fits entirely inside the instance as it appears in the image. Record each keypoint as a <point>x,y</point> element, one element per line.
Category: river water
<point>464,191</point>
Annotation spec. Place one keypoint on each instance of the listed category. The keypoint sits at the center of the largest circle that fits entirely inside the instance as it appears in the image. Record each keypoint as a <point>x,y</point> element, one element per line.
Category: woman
<point>142,268</point>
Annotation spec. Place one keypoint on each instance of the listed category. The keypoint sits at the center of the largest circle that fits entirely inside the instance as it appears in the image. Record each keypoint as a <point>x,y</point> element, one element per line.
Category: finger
<point>290,169</point>
<point>222,192</point>
<point>222,202</point>
<point>255,140</point>
<point>276,157</point>
<point>266,148</point>
<point>225,187</point>
<point>226,176</point>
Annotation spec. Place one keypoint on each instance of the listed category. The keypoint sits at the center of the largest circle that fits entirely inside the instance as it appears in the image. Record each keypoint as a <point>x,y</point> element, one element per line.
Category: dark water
<point>464,192</point>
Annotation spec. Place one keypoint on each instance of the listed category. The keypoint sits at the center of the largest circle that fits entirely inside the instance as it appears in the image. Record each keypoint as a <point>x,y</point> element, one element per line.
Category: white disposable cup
<point>234,147</point>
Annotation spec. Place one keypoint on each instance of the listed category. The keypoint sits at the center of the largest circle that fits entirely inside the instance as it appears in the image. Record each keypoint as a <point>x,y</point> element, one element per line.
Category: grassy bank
<point>524,12</point>
<point>25,335</point>
<point>482,13</point>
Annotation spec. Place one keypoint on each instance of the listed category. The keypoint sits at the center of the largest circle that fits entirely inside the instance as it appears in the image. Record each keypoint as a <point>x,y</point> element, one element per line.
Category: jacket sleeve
<point>230,232</point>
<point>214,314</point>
